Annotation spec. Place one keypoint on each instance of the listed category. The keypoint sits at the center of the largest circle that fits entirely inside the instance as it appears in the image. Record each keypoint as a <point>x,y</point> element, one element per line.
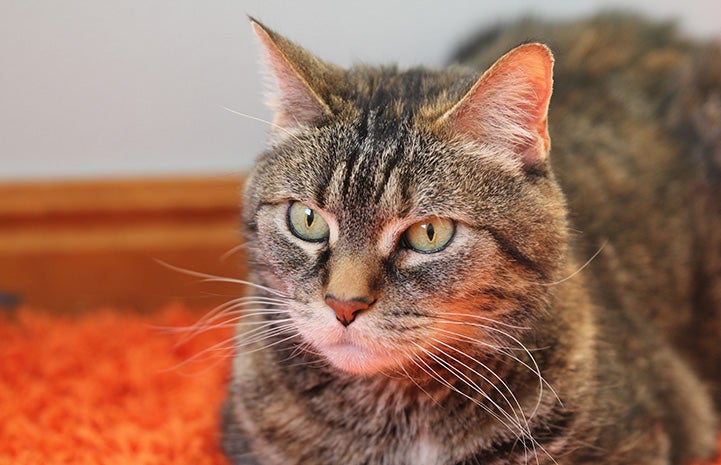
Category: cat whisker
<point>228,307</point>
<point>534,369</point>
<point>261,120</point>
<point>236,323</point>
<point>267,346</point>
<point>517,410</point>
<point>223,347</point>
<point>237,308</point>
<point>214,358</point>
<point>413,380</point>
<point>227,317</point>
<point>479,342</point>
<point>415,359</point>
<point>261,330</point>
<point>513,405</point>
<point>581,268</point>
<point>511,427</point>
<point>191,331</point>
<point>213,278</point>
<point>524,429</point>
<point>232,251</point>
<point>424,367</point>
<point>318,363</point>
<point>473,385</point>
<point>508,350</point>
<point>304,347</point>
<point>485,318</point>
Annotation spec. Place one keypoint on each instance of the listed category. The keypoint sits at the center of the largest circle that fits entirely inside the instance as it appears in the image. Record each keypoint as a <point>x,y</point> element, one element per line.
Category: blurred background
<point>121,142</point>
<point>139,87</point>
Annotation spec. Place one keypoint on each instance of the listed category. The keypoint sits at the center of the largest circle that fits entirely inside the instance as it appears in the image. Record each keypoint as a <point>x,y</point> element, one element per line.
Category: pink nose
<point>346,310</point>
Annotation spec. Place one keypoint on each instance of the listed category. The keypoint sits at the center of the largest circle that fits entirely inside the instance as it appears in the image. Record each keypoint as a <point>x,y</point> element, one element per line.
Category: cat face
<point>400,217</point>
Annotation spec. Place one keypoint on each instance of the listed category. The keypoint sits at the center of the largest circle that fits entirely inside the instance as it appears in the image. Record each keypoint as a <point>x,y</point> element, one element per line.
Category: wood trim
<point>35,198</point>
<point>126,213</point>
<point>72,245</point>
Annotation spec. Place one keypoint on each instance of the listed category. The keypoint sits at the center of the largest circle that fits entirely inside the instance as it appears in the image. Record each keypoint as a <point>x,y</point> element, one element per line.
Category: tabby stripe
<point>320,192</point>
<point>362,132</point>
<point>353,156</point>
<point>389,168</point>
<point>515,254</point>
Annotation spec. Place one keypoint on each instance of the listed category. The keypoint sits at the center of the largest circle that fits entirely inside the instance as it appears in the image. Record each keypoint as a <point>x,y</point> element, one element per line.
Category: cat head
<point>401,211</point>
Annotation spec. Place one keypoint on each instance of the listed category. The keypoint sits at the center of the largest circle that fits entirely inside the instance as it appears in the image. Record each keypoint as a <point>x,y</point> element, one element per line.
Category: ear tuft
<point>508,105</point>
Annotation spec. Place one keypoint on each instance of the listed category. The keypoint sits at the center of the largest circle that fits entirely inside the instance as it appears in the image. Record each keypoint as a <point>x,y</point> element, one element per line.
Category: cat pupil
<point>309,218</point>
<point>430,232</point>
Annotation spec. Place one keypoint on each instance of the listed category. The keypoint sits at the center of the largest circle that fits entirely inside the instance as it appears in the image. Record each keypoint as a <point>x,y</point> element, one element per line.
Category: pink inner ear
<point>535,62</point>
<point>294,102</point>
<point>509,104</point>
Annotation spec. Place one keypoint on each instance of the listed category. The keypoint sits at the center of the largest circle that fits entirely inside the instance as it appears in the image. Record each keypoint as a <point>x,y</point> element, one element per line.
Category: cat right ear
<point>300,81</point>
<point>508,105</point>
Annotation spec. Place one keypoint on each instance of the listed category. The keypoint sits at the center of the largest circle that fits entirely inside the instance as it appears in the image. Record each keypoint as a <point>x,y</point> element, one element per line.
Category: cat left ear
<point>509,105</point>
<point>301,80</point>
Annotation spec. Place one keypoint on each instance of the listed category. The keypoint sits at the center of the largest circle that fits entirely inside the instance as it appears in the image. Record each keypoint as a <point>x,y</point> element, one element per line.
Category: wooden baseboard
<point>75,245</point>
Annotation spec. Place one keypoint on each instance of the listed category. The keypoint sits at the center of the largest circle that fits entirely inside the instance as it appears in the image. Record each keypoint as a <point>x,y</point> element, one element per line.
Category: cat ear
<point>299,79</point>
<point>509,104</point>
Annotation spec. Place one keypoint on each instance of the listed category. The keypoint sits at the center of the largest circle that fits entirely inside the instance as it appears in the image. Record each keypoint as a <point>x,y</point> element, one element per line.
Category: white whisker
<point>261,332</point>
<point>237,322</point>
<point>237,308</point>
<point>485,318</point>
<point>450,386</point>
<point>493,347</point>
<point>408,376</point>
<point>213,278</point>
<point>267,346</point>
<point>233,251</point>
<point>581,268</point>
<point>205,324</point>
<point>261,120</point>
<point>484,378</point>
<point>229,309</point>
<point>533,369</point>
<point>524,431</point>
<point>223,347</point>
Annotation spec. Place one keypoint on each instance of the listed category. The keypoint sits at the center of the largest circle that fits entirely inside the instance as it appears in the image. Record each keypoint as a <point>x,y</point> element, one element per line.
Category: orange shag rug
<point>110,388</point>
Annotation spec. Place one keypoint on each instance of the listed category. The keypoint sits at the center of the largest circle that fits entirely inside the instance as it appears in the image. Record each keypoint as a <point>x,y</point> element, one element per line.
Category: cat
<point>445,272</point>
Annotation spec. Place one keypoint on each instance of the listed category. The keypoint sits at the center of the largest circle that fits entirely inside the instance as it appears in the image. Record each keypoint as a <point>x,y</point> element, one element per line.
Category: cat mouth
<point>359,359</point>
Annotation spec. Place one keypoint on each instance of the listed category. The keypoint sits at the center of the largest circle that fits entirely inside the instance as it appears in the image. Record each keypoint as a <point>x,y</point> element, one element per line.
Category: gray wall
<point>101,88</point>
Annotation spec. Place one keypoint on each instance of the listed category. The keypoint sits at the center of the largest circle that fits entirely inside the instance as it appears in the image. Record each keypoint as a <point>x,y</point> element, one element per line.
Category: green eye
<point>430,235</point>
<point>307,224</point>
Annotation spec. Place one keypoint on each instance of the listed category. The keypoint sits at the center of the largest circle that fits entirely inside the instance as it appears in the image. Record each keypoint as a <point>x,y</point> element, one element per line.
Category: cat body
<point>426,293</point>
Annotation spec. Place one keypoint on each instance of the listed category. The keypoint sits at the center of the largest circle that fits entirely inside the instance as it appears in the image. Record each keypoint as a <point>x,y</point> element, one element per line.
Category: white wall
<point>115,88</point>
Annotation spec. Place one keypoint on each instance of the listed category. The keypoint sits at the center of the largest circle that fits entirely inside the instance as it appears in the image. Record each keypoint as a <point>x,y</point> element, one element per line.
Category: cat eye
<point>306,224</point>
<point>430,235</point>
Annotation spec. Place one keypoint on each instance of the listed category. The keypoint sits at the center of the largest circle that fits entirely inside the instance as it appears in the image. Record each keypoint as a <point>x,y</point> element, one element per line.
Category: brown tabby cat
<point>424,295</point>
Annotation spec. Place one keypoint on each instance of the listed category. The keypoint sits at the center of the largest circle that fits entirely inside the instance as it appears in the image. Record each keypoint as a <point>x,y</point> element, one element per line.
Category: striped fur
<point>504,347</point>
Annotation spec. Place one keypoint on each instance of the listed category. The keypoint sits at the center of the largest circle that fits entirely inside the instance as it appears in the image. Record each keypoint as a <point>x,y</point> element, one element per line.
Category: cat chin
<point>359,360</point>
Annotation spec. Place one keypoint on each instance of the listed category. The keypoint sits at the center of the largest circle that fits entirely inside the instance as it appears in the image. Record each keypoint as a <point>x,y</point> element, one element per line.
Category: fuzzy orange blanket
<point>110,388</point>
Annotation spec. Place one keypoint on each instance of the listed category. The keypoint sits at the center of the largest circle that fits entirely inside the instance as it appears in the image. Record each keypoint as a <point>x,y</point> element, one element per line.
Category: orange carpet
<point>110,388</point>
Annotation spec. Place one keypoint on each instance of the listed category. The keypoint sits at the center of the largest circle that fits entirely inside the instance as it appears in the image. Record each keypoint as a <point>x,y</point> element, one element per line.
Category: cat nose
<point>347,310</point>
